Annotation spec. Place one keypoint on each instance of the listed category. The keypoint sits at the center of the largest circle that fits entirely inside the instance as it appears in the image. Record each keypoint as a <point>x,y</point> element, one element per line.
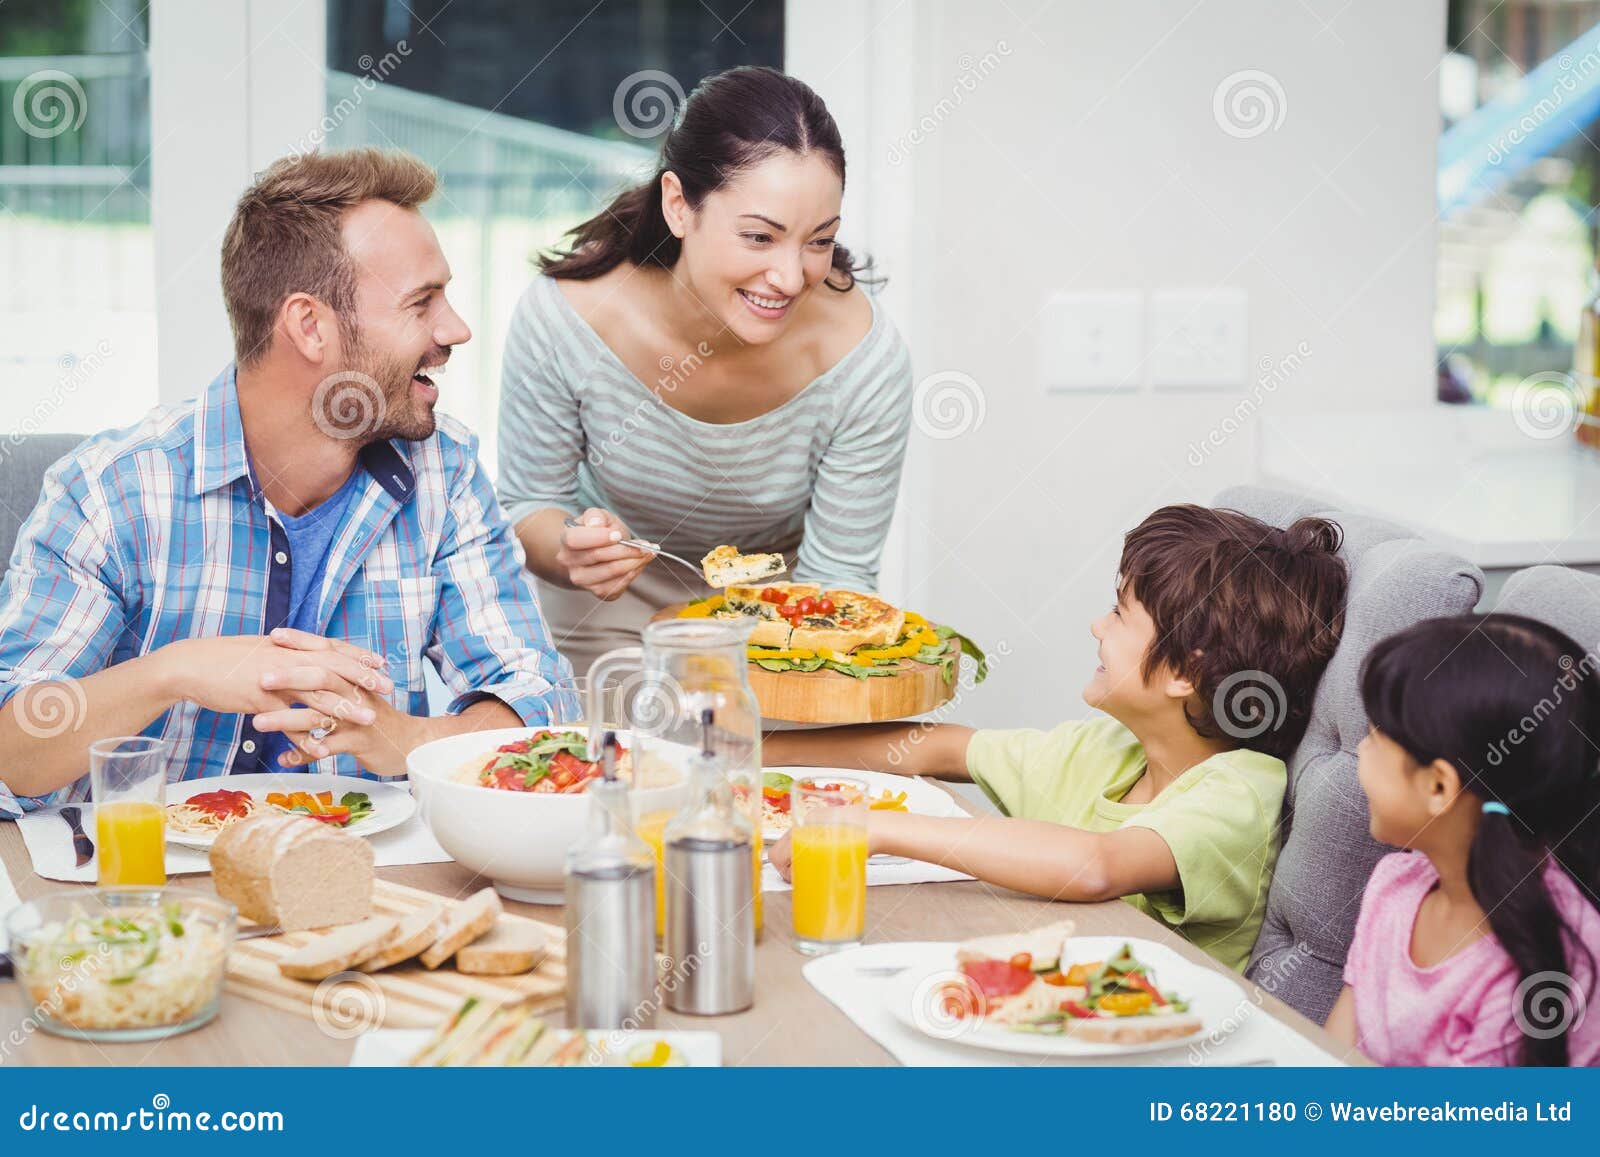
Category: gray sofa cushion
<point>23,461</point>
<point>1396,579</point>
<point>1568,600</point>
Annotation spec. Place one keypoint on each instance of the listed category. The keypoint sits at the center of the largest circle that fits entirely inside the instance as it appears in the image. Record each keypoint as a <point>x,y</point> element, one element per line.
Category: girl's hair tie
<point>1495,807</point>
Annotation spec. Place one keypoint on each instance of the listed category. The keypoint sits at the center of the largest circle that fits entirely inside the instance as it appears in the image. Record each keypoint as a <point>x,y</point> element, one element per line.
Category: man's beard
<point>372,398</point>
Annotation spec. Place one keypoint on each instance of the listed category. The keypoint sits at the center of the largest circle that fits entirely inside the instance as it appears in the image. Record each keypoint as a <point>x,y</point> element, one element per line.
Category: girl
<point>1478,945</point>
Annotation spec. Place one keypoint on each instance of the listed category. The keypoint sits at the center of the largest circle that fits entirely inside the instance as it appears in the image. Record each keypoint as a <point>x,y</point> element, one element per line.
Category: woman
<point>701,367</point>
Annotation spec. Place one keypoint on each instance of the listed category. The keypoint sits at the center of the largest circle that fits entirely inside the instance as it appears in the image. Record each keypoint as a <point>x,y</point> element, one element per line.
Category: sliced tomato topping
<point>997,977</point>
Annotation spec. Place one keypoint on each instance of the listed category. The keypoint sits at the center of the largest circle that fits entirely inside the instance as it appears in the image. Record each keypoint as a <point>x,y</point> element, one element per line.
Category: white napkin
<point>49,843</point>
<point>9,902</point>
<point>1256,1037</point>
<point>908,872</point>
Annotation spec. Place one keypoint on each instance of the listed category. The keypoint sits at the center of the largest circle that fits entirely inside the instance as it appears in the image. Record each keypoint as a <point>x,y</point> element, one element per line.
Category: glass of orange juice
<point>128,776</point>
<point>828,847</point>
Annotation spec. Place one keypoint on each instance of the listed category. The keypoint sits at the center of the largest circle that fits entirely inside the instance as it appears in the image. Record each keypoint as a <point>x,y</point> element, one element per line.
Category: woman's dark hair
<point>731,121</point>
<point>1512,703</point>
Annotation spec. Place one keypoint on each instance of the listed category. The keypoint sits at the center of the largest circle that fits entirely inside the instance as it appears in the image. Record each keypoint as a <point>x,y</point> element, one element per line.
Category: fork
<point>651,547</point>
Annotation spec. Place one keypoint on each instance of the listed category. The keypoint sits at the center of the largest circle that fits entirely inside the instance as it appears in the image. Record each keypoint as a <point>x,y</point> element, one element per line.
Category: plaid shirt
<point>159,532</point>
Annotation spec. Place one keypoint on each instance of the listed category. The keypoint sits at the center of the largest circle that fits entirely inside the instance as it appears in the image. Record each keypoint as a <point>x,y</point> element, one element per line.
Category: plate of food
<point>1050,993</point>
<point>198,810</point>
<point>830,655</point>
<point>884,792</point>
<point>486,1034</point>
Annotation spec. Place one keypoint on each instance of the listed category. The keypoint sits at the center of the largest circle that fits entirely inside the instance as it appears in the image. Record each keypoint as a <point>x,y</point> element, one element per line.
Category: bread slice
<point>339,950</point>
<point>1135,1030</point>
<point>416,932</point>
<point>725,566</point>
<point>510,948</point>
<point>466,921</point>
<point>1043,944</point>
<point>294,872</point>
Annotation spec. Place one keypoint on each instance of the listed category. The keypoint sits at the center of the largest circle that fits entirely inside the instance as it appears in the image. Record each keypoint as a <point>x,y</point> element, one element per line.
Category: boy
<point>1208,662</point>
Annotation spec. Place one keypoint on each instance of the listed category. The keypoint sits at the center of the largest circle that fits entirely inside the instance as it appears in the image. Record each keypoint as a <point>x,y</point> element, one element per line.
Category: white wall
<point>1088,157</point>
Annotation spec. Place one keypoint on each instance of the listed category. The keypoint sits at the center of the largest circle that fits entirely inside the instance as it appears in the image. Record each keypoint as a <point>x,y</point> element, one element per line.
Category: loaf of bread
<point>292,871</point>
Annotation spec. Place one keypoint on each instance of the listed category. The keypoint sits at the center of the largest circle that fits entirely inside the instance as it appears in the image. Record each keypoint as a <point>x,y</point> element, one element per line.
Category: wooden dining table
<point>790,1024</point>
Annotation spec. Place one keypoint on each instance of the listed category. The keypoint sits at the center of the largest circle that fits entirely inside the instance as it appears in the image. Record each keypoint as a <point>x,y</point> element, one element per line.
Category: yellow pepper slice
<point>702,610</point>
<point>779,653</point>
<point>1124,1003</point>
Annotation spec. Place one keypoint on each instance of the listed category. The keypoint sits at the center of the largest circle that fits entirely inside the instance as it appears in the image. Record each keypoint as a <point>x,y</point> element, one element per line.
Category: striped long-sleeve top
<point>818,474</point>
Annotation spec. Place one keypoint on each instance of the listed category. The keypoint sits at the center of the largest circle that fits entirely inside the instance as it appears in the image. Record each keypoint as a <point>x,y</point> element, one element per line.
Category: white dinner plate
<point>922,797</point>
<point>1216,998</point>
<point>391,805</point>
<point>392,1047</point>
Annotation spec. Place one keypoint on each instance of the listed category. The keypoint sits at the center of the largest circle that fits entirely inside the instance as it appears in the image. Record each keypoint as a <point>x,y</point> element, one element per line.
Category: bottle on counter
<point>708,854</point>
<point>611,913</point>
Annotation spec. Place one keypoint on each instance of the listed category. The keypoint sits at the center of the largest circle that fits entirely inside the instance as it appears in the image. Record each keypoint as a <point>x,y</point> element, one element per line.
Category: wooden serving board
<point>829,697</point>
<point>405,996</point>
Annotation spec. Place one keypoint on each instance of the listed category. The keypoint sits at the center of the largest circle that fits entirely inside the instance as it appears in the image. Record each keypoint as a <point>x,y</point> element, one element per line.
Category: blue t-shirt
<point>310,535</point>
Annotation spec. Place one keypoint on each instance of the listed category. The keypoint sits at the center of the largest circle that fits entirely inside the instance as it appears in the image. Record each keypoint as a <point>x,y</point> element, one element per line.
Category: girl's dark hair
<point>1512,703</point>
<point>731,121</point>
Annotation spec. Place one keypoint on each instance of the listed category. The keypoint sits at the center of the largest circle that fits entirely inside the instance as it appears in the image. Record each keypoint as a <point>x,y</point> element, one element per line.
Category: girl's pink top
<point>1459,1012</point>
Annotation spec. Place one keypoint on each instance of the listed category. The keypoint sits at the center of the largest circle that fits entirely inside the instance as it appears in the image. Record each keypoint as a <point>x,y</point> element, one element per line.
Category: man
<point>259,574</point>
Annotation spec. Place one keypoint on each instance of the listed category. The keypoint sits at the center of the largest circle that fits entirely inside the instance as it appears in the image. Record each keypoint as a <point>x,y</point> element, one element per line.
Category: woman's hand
<point>593,558</point>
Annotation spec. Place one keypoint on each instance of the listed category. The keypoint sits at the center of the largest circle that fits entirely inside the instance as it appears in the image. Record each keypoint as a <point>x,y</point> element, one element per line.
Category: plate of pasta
<point>199,810</point>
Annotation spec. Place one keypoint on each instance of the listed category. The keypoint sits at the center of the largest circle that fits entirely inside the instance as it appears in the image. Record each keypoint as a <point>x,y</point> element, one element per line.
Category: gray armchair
<point>23,461</point>
<point>1396,579</point>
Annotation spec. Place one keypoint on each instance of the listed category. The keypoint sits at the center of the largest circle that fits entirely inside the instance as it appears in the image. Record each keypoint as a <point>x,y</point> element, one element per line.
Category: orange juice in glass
<point>651,829</point>
<point>828,866</point>
<point>128,778</point>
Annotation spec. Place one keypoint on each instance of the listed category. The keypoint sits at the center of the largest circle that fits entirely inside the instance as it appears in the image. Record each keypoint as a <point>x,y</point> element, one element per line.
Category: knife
<point>81,844</point>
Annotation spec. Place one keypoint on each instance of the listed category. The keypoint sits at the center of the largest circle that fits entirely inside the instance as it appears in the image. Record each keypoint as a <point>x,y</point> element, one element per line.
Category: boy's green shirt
<point>1219,818</point>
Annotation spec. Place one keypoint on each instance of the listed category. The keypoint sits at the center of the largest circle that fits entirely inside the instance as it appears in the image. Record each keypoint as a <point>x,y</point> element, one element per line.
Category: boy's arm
<point>1034,856</point>
<point>937,750</point>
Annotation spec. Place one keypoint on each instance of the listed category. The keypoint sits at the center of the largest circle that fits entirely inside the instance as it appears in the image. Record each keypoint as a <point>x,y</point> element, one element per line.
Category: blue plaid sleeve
<point>61,615</point>
<point>489,635</point>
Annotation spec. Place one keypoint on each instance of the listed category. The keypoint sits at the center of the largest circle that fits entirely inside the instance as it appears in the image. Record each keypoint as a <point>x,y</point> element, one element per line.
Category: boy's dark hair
<point>1248,613</point>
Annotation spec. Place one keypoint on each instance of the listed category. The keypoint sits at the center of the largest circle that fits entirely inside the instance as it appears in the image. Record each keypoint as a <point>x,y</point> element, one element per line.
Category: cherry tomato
<point>774,595</point>
<point>825,606</point>
<point>1023,960</point>
<point>808,605</point>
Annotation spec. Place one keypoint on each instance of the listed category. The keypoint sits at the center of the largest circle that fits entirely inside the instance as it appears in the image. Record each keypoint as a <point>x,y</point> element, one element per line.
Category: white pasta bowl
<point>517,840</point>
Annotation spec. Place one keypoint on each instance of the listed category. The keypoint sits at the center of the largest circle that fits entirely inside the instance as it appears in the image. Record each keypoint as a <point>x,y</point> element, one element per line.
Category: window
<point>534,114</point>
<point>78,299</point>
<point>1519,183</point>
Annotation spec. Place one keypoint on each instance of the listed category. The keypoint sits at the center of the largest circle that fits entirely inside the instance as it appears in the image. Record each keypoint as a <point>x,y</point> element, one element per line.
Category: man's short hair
<point>1241,608</point>
<point>285,235</point>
